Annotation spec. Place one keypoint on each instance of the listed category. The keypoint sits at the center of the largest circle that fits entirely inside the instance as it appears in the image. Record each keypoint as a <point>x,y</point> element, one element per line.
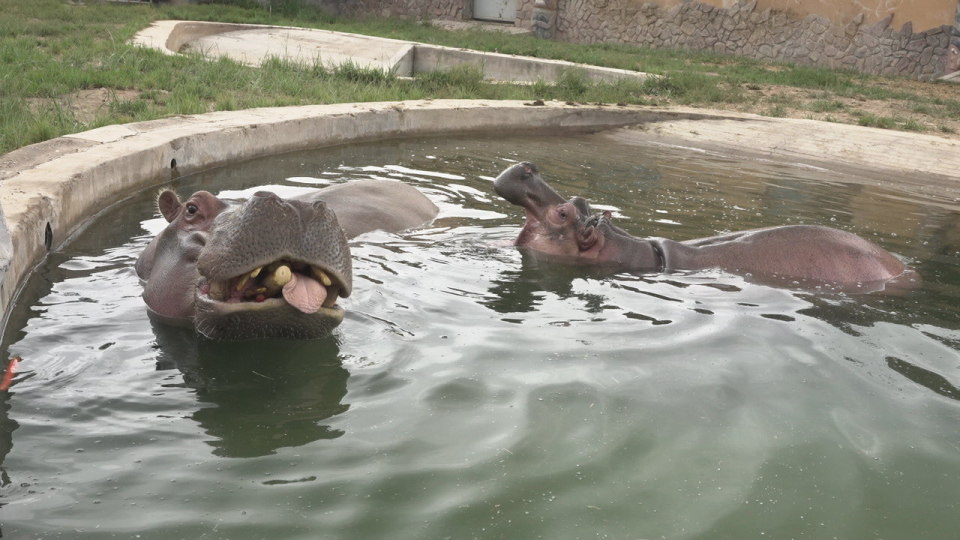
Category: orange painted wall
<point>924,14</point>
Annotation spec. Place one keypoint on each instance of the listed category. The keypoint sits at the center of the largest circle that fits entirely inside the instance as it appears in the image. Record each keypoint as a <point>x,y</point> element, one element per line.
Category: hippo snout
<point>266,228</point>
<point>267,197</point>
<point>265,205</point>
<point>510,183</point>
<point>273,267</point>
<point>522,185</point>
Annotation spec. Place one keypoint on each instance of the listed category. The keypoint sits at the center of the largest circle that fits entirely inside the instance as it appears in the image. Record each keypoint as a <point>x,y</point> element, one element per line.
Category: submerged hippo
<point>797,254</point>
<point>267,267</point>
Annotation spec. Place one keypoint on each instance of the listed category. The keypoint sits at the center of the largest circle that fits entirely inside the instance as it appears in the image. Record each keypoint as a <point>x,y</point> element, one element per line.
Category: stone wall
<point>765,34</point>
<point>953,53</point>
<point>924,14</point>
<point>865,44</point>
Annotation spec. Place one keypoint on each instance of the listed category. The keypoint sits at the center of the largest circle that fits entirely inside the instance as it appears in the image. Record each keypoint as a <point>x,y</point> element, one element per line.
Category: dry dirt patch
<point>85,105</point>
<point>928,113</point>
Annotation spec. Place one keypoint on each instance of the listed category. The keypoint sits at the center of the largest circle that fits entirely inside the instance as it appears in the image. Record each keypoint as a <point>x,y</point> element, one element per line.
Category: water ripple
<point>474,391</point>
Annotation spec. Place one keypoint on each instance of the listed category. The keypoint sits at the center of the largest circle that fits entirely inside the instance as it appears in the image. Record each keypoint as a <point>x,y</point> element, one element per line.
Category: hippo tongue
<point>304,293</point>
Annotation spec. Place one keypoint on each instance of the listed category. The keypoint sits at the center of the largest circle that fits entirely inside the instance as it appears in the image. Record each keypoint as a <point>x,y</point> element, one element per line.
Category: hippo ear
<point>587,234</point>
<point>607,215</point>
<point>169,204</point>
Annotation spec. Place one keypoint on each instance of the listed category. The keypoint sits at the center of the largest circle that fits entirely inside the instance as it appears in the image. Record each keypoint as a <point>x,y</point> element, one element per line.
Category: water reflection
<point>934,381</point>
<point>522,290</point>
<point>258,397</point>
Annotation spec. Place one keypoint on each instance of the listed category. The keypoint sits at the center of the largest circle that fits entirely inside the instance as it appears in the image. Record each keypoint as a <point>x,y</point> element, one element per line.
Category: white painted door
<point>495,10</point>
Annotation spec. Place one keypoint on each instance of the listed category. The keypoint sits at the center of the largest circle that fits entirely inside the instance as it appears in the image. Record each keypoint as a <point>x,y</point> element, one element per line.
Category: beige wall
<point>924,14</point>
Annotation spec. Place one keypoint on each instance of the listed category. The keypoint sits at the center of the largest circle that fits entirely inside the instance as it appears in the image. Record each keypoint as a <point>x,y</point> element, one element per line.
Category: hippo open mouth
<point>306,287</point>
<point>283,299</point>
<point>273,268</point>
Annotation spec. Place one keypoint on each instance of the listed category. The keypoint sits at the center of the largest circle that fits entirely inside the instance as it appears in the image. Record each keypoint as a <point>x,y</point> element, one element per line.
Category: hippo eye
<point>192,209</point>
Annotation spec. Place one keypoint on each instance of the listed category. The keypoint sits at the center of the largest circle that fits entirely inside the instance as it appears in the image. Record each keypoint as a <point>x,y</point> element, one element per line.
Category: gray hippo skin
<point>804,255</point>
<point>267,267</point>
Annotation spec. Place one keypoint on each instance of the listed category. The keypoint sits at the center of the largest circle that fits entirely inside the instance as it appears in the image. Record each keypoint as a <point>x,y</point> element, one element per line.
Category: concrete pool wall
<point>50,189</point>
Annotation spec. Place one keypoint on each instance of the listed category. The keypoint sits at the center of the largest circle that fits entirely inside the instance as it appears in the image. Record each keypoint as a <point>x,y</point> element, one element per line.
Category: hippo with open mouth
<point>804,255</point>
<point>267,267</point>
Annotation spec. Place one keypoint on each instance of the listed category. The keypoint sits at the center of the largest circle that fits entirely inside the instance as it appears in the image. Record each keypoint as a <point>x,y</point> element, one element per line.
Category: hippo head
<point>554,226</point>
<point>264,268</point>
<point>567,230</point>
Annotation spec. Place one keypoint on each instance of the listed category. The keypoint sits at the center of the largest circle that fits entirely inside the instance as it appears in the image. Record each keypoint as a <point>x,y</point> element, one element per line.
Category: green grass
<point>52,51</point>
<point>887,122</point>
<point>777,111</point>
<point>826,105</point>
<point>911,125</point>
<point>872,120</point>
<point>463,79</point>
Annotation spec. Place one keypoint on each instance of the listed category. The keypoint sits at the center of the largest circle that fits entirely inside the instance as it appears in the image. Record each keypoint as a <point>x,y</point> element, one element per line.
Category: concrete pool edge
<point>48,190</point>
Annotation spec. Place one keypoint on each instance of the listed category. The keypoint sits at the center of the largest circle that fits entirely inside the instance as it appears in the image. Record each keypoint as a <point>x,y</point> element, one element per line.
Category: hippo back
<point>368,205</point>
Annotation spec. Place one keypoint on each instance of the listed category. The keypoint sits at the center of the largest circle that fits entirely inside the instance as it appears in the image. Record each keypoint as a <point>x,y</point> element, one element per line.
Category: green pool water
<point>476,392</point>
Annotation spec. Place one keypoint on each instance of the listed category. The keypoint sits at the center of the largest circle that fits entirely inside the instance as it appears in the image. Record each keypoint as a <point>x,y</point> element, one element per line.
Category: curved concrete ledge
<point>169,37</point>
<point>252,43</point>
<point>48,190</point>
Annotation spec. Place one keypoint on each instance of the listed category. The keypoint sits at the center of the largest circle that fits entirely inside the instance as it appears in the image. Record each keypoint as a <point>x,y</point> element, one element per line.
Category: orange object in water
<point>9,373</point>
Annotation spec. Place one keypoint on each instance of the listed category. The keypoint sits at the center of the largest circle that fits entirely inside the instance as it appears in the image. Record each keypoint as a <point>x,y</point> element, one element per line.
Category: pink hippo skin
<point>804,256</point>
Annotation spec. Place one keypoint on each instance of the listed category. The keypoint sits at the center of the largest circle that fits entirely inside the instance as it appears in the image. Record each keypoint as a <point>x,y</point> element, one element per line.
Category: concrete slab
<point>896,159</point>
<point>951,77</point>
<point>104,134</point>
<point>252,44</point>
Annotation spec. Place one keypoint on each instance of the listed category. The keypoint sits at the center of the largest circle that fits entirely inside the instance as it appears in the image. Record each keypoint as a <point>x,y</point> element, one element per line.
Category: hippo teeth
<point>305,287</point>
<point>242,280</point>
<point>321,276</point>
<point>275,280</point>
<point>217,291</point>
